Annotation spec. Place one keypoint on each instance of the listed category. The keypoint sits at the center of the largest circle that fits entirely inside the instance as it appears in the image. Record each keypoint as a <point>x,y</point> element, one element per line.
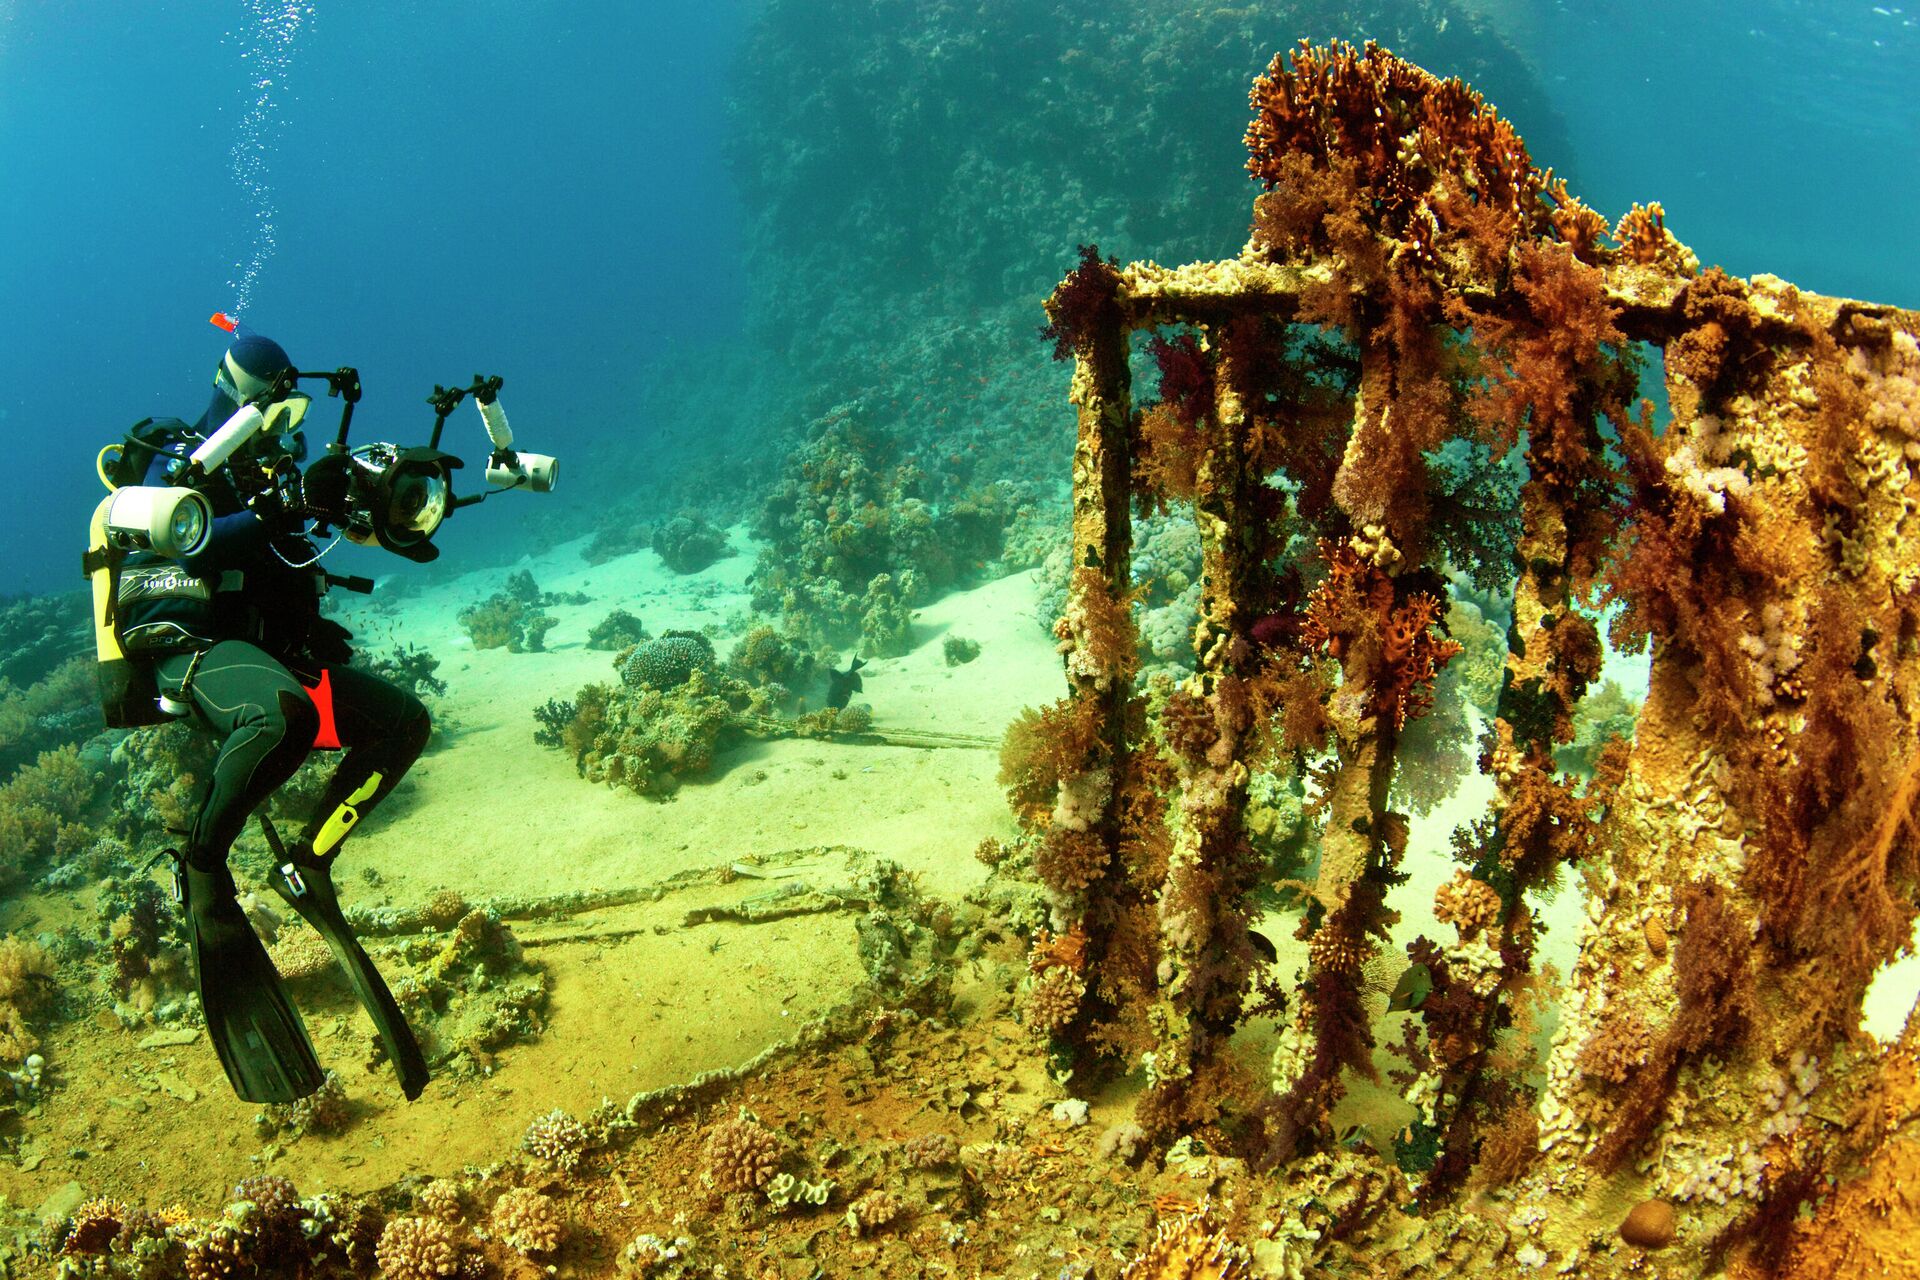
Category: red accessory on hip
<point>327,738</point>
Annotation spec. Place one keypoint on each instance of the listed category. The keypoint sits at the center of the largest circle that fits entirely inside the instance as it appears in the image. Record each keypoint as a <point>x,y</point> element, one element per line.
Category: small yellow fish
<point>1412,988</point>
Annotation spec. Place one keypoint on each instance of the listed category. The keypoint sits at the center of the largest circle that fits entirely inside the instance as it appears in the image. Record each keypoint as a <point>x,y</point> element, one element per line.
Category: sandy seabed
<point>488,812</point>
<point>641,1000</point>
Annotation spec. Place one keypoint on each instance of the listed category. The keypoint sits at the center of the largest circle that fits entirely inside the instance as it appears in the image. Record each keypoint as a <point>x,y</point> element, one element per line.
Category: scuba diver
<point>207,593</point>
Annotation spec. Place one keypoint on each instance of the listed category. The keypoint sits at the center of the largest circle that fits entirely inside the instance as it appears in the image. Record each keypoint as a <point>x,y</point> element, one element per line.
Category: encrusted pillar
<point>1761,851</point>
<point>1203,907</point>
<point>1098,644</point>
<point>1362,842</point>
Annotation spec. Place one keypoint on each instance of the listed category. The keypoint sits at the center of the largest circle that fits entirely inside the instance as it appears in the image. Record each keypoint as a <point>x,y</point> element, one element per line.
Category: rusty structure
<point>1426,358</point>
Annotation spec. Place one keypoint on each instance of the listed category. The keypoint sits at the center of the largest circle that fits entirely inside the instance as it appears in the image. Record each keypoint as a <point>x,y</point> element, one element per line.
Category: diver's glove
<point>329,643</point>
<point>279,508</point>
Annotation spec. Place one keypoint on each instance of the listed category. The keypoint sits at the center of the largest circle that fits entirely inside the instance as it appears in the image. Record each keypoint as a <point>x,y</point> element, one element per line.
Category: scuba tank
<point>131,517</point>
<point>128,696</point>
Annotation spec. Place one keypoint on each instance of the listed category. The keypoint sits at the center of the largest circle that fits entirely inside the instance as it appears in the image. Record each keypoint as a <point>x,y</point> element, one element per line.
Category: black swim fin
<point>306,882</point>
<point>255,1029</point>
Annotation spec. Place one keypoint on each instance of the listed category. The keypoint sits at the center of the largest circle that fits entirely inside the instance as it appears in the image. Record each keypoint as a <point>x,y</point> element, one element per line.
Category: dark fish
<point>842,685</point>
<point>1412,989</point>
<point>1264,945</point>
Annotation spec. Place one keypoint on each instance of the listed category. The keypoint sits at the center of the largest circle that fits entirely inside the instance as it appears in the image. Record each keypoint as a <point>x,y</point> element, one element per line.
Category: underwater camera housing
<point>383,494</point>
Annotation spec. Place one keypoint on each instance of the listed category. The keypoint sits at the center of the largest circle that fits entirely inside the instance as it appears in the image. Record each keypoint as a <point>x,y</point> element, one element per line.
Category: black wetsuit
<point>264,711</point>
<point>268,676</point>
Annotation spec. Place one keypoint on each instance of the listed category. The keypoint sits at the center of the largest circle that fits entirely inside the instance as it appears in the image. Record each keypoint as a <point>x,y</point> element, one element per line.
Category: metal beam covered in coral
<point>1424,365</point>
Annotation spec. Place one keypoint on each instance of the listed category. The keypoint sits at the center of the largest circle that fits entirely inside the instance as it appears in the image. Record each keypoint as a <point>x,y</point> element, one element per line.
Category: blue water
<point>529,189</point>
<point>1781,135</point>
<point>537,190</point>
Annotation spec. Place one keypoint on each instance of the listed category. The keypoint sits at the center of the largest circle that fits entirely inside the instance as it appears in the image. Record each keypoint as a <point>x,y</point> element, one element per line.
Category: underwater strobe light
<point>173,522</point>
<point>508,469</point>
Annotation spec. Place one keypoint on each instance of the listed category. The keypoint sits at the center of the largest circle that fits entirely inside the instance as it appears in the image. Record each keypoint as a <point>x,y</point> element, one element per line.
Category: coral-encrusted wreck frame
<point>1751,857</point>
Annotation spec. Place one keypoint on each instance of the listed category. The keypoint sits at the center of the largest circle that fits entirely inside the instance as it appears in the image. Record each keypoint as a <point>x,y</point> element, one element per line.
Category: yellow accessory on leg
<point>342,820</point>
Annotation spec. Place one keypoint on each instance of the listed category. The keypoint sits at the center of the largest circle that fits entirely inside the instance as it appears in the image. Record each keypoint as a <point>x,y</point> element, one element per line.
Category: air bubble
<point>267,51</point>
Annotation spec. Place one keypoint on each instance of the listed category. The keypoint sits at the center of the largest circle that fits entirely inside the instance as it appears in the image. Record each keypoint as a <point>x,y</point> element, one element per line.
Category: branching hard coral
<point>1618,1049</point>
<point>1190,1245</point>
<point>742,1155</point>
<point>765,657</point>
<point>441,1199</point>
<point>929,1151</point>
<point>618,630</point>
<point>1053,999</point>
<point>1068,861</point>
<point>1468,904</point>
<point>506,620</point>
<point>1644,238</point>
<point>556,1139</point>
<point>527,1221</point>
<point>648,739</point>
<point>325,1110</point>
<point>872,1211</point>
<point>418,1249</point>
<point>95,1224</point>
<point>268,1206</point>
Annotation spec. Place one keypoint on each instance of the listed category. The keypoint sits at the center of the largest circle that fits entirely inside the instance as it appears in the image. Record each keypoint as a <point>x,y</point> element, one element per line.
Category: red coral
<point>1186,376</point>
<point>1082,303</point>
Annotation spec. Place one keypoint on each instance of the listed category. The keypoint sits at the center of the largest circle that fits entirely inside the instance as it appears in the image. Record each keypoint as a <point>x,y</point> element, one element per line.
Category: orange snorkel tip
<point>221,320</point>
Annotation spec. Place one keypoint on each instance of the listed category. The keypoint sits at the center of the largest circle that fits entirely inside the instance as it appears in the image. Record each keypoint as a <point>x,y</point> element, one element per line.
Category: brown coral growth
<point>1416,290</point>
